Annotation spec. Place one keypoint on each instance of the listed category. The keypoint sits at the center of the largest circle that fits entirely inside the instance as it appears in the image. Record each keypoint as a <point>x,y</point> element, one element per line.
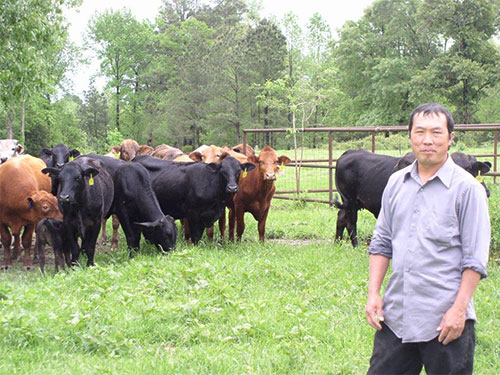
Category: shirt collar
<point>444,173</point>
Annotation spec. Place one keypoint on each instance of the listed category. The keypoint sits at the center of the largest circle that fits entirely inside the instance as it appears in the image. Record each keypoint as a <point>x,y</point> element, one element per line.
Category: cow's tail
<point>339,204</point>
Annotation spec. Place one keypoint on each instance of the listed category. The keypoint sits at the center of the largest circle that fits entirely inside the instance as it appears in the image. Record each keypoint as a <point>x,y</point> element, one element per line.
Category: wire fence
<point>310,176</point>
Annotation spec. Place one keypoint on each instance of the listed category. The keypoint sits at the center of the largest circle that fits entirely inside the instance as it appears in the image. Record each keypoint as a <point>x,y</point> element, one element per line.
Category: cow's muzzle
<point>231,189</point>
<point>270,177</point>
<point>64,198</point>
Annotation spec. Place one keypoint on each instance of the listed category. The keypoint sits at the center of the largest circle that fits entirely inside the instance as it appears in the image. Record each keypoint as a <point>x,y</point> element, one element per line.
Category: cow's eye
<point>45,208</point>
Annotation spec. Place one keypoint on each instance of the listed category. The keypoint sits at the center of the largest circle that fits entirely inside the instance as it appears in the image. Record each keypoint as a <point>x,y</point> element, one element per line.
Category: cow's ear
<point>90,171</point>
<point>483,167</point>
<point>52,172</point>
<point>195,155</point>
<point>74,153</point>
<point>253,159</point>
<point>148,224</point>
<point>247,166</point>
<point>31,203</point>
<point>223,156</point>
<point>45,152</point>
<point>284,160</point>
<point>20,149</point>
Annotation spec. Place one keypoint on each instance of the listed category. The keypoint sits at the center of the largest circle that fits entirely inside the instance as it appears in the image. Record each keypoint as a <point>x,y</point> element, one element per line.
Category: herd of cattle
<point>67,197</point>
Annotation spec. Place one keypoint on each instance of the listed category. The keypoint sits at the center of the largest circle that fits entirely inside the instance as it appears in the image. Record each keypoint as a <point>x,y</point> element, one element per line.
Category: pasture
<point>294,305</point>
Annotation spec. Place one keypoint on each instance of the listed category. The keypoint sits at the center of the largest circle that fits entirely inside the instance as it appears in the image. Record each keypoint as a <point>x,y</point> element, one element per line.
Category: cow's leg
<point>27,237</point>
<point>89,242</point>
<point>232,221</point>
<point>41,253</point>
<point>185,226</point>
<point>210,233</point>
<point>222,225</point>
<point>351,221</point>
<point>240,221</point>
<point>261,226</point>
<point>116,225</point>
<point>104,237</point>
<point>195,229</point>
<point>341,224</point>
<point>132,235</point>
<point>74,247</point>
<point>6,240</point>
<point>16,246</point>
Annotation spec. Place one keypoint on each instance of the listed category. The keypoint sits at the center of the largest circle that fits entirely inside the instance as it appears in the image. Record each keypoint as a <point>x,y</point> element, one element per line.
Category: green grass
<point>293,305</point>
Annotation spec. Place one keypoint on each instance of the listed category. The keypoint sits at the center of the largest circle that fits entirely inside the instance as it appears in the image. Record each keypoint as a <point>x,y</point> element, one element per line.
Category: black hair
<point>433,108</point>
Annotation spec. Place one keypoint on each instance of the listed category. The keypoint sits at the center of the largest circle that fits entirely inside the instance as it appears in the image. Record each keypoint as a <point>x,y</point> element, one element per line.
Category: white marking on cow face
<point>9,148</point>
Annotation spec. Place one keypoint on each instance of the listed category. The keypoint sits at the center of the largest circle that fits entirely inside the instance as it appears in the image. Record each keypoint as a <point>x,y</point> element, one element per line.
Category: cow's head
<point>161,232</point>
<point>210,154</point>
<point>473,166</point>
<point>269,163</point>
<point>58,156</point>
<point>44,205</point>
<point>229,170</point>
<point>72,180</point>
<point>9,148</point>
<point>129,149</point>
<point>145,150</point>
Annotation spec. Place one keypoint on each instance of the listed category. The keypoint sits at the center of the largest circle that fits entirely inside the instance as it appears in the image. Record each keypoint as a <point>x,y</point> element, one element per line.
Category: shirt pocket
<point>440,228</point>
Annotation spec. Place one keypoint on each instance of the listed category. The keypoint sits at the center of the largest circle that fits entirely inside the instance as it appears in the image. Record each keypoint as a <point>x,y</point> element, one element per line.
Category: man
<point>435,227</point>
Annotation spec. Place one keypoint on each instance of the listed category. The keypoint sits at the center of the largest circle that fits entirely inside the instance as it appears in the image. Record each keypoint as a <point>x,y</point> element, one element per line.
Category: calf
<point>24,200</point>
<point>85,197</point>
<point>51,232</point>
<point>256,191</point>
<point>195,191</point>
<point>9,148</point>
<point>139,211</point>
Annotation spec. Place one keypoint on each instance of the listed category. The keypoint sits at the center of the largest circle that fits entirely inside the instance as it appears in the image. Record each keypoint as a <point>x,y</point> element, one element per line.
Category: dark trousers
<point>392,357</point>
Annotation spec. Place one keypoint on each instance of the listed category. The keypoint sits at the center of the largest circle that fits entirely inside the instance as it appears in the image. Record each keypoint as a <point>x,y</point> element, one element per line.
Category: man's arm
<point>453,322</point>
<point>373,310</point>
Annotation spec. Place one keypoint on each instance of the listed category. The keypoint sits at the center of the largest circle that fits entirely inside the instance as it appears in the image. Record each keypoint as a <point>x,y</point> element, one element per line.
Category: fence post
<point>373,142</point>
<point>495,151</point>
<point>330,166</point>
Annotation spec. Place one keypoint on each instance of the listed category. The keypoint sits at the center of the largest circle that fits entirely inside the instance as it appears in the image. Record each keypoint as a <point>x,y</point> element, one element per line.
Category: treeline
<point>201,73</point>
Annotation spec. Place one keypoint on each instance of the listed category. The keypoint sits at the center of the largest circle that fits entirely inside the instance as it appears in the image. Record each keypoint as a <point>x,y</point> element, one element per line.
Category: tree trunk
<point>10,125</point>
<point>118,107</point>
<point>266,123</point>
<point>23,106</point>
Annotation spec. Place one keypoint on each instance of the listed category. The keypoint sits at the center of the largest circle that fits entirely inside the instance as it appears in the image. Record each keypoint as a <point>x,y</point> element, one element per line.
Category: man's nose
<point>427,138</point>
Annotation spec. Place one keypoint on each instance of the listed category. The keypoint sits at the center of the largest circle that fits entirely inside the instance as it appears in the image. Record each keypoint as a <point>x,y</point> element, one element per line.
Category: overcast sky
<point>335,12</point>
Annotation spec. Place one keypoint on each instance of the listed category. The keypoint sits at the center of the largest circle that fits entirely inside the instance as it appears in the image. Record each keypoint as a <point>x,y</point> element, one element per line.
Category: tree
<point>93,114</point>
<point>32,38</point>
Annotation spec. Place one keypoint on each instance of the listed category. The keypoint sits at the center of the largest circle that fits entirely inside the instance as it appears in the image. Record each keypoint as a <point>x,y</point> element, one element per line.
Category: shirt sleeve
<point>381,242</point>
<point>475,229</point>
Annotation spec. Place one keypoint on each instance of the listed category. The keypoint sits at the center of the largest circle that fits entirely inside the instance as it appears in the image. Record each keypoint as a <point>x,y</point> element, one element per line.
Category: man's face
<point>430,139</point>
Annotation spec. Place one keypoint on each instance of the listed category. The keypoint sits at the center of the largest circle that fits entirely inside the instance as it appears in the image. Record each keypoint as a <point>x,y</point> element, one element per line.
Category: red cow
<point>255,192</point>
<point>25,199</point>
<point>129,149</point>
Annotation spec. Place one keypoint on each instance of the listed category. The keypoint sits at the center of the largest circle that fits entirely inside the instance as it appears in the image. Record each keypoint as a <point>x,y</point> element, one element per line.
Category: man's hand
<point>373,310</point>
<point>452,325</point>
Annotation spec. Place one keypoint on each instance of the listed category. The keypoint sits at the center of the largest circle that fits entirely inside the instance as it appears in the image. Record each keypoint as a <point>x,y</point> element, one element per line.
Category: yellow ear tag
<point>244,173</point>
<point>71,158</point>
<point>282,166</point>
<point>479,177</point>
<point>117,156</point>
<point>91,180</point>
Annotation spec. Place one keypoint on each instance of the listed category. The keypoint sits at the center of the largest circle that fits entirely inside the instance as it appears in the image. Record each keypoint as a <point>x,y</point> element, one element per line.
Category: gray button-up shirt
<point>432,232</point>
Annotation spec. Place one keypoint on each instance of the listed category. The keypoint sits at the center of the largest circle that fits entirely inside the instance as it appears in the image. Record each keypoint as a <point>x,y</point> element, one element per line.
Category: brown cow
<point>255,192</point>
<point>248,150</point>
<point>25,199</point>
<point>145,150</point>
<point>166,152</point>
<point>129,149</point>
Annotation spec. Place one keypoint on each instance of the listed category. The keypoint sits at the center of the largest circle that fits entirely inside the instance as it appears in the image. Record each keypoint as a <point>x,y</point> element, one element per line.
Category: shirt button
<point>416,210</point>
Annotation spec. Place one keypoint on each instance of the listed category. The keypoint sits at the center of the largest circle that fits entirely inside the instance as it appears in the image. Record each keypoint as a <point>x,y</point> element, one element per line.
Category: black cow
<point>85,197</point>
<point>361,177</point>
<point>467,162</point>
<point>56,158</point>
<point>139,211</point>
<point>195,191</point>
<point>51,232</point>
